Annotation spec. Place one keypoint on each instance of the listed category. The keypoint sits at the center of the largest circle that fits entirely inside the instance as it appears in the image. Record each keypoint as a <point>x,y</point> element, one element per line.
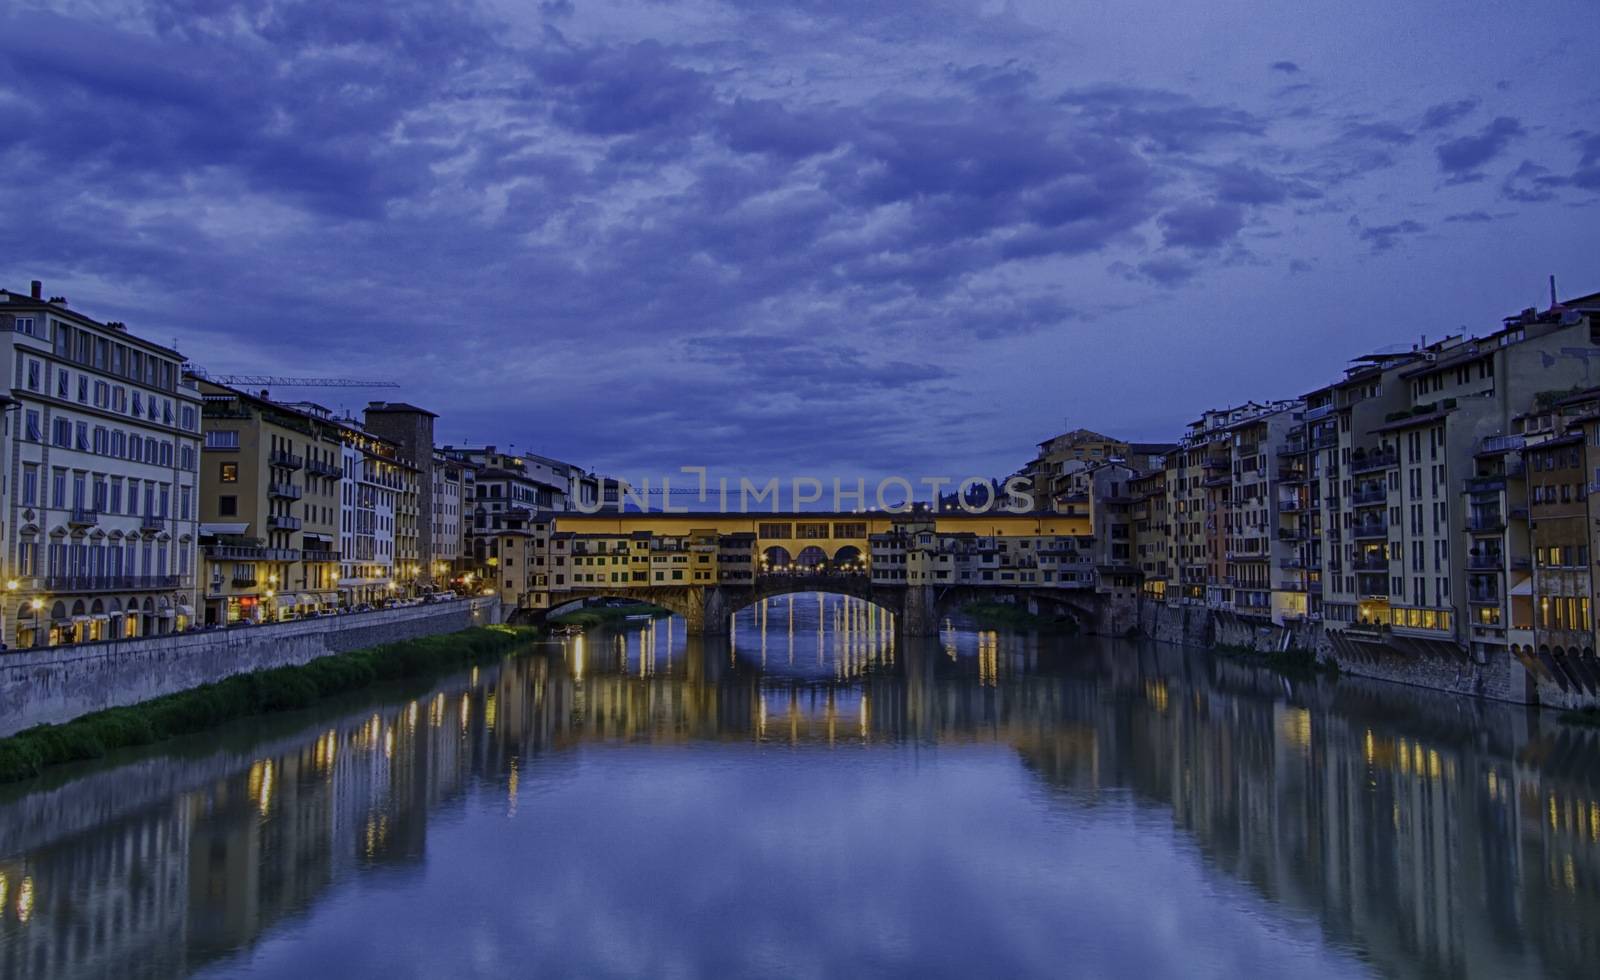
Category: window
<point>228,506</point>
<point>61,433</point>
<point>63,383</point>
<point>33,433</point>
<point>230,473</point>
<point>30,485</point>
<point>222,440</point>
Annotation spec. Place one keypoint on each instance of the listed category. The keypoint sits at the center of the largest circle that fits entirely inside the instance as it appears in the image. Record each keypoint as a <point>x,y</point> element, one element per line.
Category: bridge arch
<point>776,556</point>
<point>811,557</point>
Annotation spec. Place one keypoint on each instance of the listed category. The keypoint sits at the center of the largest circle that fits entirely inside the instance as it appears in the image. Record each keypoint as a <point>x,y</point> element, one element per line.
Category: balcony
<point>284,491</point>
<point>1368,496</point>
<point>1483,484</point>
<point>1486,563</point>
<point>1369,529</point>
<point>1493,445</point>
<point>1483,597</point>
<point>283,522</point>
<point>1482,523</point>
<point>1294,534</point>
<point>1291,475</point>
<point>1371,563</point>
<point>1325,440</point>
<point>1292,563</point>
<point>1294,447</point>
<point>330,470</point>
<point>1291,506</point>
<point>83,517</point>
<point>244,580</point>
<point>1374,461</point>
<point>108,583</point>
<point>319,555</point>
<point>287,460</point>
<point>152,522</point>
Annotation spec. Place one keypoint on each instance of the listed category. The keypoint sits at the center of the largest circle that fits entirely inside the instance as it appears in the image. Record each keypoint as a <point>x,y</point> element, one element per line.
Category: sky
<point>825,238</point>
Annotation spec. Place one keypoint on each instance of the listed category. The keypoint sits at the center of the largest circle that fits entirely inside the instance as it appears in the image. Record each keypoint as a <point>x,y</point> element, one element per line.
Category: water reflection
<point>1423,835</point>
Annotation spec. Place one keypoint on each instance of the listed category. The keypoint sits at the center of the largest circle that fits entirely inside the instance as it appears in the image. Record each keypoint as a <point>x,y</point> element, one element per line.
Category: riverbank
<point>1001,615</point>
<point>25,754</point>
<point>591,617</point>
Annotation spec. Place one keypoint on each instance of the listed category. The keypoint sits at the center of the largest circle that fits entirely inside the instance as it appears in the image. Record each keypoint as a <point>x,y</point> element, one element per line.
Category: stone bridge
<point>918,610</point>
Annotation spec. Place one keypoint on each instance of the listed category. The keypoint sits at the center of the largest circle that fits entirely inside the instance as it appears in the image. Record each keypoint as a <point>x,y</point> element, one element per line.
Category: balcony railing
<point>244,581</point>
<point>1291,505</point>
<point>1326,440</point>
<point>1369,496</point>
<point>108,583</point>
<point>1501,444</point>
<point>232,552</point>
<point>284,491</point>
<point>1291,475</point>
<point>283,522</point>
<point>1486,563</point>
<point>1483,597</point>
<point>1486,522</point>
<point>1370,529</point>
<point>83,517</point>
<point>317,467</point>
<point>287,460</point>
<point>1294,447</point>
<point>152,522</point>
<point>319,555</point>
<point>1483,484</point>
<point>1374,461</point>
<point>1370,564</point>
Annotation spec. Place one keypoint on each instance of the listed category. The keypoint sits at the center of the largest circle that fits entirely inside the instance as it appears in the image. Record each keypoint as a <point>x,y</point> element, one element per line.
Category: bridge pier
<point>707,612</point>
<point>919,616</point>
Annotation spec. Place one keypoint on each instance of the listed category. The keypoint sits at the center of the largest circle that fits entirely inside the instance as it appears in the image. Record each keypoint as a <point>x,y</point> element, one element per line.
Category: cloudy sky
<point>820,237</point>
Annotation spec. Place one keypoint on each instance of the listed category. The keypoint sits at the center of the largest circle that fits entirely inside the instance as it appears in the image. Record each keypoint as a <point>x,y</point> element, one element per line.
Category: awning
<point>80,619</point>
<point>100,618</point>
<point>186,611</point>
<point>287,602</point>
<point>1524,587</point>
<point>224,528</point>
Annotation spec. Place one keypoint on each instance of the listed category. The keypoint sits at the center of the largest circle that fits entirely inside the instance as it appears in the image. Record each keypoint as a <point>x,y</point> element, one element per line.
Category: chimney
<point>38,289</point>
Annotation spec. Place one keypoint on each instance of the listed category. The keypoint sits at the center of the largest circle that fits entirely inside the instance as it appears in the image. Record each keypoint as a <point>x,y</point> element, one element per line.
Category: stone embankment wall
<point>1434,665</point>
<point>57,684</point>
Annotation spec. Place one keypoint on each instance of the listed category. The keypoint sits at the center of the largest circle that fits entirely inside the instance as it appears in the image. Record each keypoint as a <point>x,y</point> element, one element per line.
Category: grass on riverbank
<point>1293,662</point>
<point>590,617</point>
<point>24,754</point>
<point>1001,615</point>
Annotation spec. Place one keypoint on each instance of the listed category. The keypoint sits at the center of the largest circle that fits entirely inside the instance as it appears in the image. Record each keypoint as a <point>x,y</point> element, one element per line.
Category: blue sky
<point>823,237</point>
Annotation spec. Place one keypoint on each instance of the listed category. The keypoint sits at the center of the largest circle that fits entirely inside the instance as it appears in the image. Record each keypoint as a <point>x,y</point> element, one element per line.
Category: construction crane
<point>276,381</point>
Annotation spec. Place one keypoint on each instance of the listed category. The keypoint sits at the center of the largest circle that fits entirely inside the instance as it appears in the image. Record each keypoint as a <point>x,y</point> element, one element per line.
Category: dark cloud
<point>1445,113</point>
<point>1380,132</point>
<point>1470,217</point>
<point>1242,184</point>
<point>1384,237</point>
<point>1199,225</point>
<point>1531,183</point>
<point>1287,67</point>
<point>1461,158</point>
<point>1169,122</point>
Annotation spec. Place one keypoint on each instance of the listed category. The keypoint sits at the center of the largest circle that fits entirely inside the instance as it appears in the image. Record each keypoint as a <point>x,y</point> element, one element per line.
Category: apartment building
<point>410,430</point>
<point>1258,539</point>
<point>1152,531</point>
<point>98,509</point>
<point>269,507</point>
<point>448,501</point>
<point>378,492</point>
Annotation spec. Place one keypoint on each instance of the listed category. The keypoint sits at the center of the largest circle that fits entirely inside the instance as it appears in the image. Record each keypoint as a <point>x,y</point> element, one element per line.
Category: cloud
<point>1382,238</point>
<point>1444,113</point>
<point>1239,183</point>
<point>1287,67</point>
<point>1200,226</point>
<point>1531,183</point>
<point>1461,158</point>
<point>1470,217</point>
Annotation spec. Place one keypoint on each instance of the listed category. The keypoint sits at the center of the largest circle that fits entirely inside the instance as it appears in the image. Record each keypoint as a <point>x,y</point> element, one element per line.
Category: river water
<point>810,798</point>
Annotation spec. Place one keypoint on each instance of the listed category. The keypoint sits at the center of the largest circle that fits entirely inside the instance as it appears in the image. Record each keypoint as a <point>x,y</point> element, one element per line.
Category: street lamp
<point>268,596</point>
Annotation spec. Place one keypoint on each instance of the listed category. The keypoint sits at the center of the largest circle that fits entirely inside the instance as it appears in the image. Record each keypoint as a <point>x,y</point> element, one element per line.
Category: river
<point>811,798</point>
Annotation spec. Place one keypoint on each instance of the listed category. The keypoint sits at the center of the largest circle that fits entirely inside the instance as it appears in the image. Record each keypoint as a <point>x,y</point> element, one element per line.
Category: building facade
<point>102,446</point>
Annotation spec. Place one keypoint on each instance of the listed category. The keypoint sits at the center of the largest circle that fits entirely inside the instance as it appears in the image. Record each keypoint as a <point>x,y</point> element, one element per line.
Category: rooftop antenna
<point>1554,303</point>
